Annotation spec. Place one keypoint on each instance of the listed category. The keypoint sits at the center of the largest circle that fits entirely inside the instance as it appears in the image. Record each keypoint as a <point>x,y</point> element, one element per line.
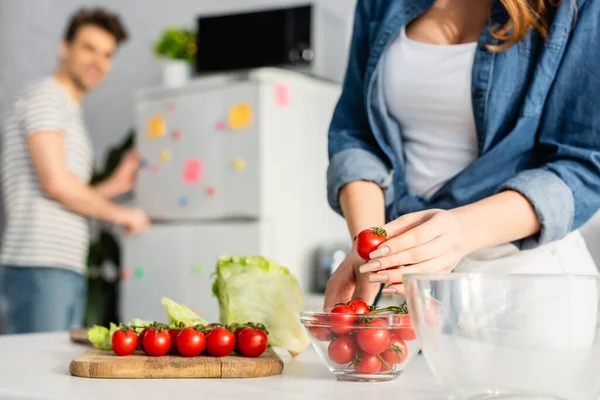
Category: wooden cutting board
<point>96,363</point>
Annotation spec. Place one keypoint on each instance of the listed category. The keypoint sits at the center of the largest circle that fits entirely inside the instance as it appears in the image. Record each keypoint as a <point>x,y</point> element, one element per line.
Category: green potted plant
<point>177,50</point>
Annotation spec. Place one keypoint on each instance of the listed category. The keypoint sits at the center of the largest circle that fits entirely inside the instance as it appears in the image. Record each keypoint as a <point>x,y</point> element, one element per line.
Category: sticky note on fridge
<point>211,191</point>
<point>239,164</point>
<point>165,155</point>
<point>240,116</point>
<point>193,171</point>
<point>157,127</point>
<point>220,126</point>
<point>282,95</point>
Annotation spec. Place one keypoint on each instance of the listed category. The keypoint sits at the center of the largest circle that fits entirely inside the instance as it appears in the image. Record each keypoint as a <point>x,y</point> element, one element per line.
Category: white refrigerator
<point>232,164</point>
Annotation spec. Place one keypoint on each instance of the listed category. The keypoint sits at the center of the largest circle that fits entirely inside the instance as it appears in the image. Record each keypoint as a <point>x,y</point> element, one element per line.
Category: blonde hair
<point>524,15</point>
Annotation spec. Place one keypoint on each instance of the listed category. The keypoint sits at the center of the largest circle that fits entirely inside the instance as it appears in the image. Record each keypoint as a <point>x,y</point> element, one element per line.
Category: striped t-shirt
<point>37,230</point>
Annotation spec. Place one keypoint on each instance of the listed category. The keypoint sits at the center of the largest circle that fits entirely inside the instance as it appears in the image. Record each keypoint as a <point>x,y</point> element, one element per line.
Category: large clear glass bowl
<point>396,327</point>
<point>501,336</point>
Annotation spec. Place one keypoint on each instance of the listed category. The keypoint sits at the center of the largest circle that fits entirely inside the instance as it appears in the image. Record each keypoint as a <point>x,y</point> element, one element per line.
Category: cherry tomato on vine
<point>251,342</point>
<point>373,336</point>
<point>342,319</point>
<point>190,342</point>
<point>342,350</point>
<point>124,342</point>
<point>359,306</point>
<point>220,342</point>
<point>157,342</point>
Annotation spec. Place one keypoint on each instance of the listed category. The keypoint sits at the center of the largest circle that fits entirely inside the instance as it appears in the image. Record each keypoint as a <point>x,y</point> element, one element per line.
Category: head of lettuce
<point>259,290</point>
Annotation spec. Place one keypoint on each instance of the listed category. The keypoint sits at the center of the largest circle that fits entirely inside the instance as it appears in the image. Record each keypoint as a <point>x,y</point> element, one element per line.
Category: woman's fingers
<point>435,248</point>
<point>405,223</point>
<point>394,275</point>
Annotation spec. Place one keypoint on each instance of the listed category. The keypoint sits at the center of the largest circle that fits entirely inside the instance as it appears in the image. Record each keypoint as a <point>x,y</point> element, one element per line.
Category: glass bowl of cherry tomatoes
<point>361,343</point>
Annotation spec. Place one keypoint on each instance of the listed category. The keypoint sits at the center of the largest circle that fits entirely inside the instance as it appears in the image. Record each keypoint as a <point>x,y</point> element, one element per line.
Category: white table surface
<point>36,367</point>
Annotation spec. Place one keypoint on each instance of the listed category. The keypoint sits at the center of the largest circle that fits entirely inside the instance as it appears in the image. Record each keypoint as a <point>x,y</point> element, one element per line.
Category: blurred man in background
<point>46,164</point>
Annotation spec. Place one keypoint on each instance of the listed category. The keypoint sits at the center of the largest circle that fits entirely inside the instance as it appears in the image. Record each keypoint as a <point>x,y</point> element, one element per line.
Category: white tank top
<point>428,91</point>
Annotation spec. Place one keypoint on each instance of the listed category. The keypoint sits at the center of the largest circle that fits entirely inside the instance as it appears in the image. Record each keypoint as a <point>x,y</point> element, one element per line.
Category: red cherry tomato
<point>342,319</point>
<point>373,337</point>
<point>124,342</point>
<point>405,329</point>
<point>359,306</point>
<point>396,353</point>
<point>190,342</point>
<point>141,338</point>
<point>367,363</point>
<point>173,333</point>
<point>368,241</point>
<point>157,343</point>
<point>252,342</point>
<point>220,342</point>
<point>321,333</point>
<point>342,350</point>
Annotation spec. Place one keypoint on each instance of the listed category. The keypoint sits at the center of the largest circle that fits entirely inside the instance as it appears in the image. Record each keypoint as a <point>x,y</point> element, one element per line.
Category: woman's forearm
<point>502,218</point>
<point>363,206</point>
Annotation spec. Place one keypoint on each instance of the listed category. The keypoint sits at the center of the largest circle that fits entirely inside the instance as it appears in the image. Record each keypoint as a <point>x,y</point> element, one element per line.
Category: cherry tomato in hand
<point>190,342</point>
<point>251,342</point>
<point>342,350</point>
<point>173,333</point>
<point>367,363</point>
<point>396,353</point>
<point>124,342</point>
<point>373,337</point>
<point>369,240</point>
<point>220,342</point>
<point>157,343</point>
<point>342,319</point>
<point>359,306</point>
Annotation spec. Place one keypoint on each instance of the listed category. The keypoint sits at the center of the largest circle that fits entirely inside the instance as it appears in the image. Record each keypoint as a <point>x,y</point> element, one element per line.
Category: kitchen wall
<point>30,32</point>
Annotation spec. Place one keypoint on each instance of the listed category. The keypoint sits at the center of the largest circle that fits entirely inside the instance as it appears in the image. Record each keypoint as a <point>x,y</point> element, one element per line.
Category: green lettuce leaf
<point>100,336</point>
<point>178,313</point>
<point>256,289</point>
<point>138,325</point>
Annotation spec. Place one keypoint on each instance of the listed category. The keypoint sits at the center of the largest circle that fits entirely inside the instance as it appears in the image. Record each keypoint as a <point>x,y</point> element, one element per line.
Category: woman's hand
<point>423,242</point>
<point>347,283</point>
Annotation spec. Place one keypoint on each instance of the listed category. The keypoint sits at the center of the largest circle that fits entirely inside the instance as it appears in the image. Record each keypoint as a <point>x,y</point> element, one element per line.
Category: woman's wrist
<point>498,219</point>
<point>363,206</point>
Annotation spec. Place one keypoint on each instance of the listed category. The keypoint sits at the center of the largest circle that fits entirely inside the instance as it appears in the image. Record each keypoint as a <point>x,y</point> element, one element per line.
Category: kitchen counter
<point>36,367</point>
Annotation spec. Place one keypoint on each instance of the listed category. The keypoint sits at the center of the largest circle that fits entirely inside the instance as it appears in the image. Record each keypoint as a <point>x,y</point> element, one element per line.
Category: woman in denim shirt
<point>468,129</point>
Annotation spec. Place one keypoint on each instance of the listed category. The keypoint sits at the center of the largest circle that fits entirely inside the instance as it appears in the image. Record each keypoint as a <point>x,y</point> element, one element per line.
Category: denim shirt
<point>536,109</point>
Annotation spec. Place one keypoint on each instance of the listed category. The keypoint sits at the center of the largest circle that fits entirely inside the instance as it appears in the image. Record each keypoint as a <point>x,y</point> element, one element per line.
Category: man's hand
<point>348,283</point>
<point>123,178</point>
<point>133,220</point>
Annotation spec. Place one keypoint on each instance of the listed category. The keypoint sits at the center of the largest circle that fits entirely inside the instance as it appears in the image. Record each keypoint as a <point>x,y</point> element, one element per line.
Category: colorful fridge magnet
<point>125,274</point>
<point>170,105</point>
<point>193,171</point>
<point>176,134</point>
<point>239,164</point>
<point>198,269</point>
<point>240,116</point>
<point>157,127</point>
<point>183,201</point>
<point>143,163</point>
<point>165,155</point>
<point>154,168</point>
<point>282,95</point>
<point>220,126</point>
<point>139,272</point>
<point>211,191</point>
